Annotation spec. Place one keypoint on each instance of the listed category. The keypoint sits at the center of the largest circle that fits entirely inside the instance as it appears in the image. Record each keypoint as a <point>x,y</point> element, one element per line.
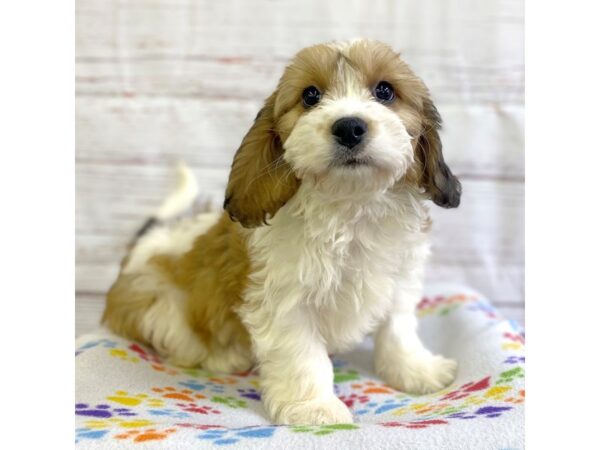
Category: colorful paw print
<point>466,389</point>
<point>232,402</point>
<point>210,386</point>
<point>342,375</point>
<point>106,343</point>
<point>350,400</point>
<point>150,434</point>
<point>442,305</point>
<point>486,411</point>
<point>127,399</point>
<point>416,424</point>
<point>485,308</point>
<point>250,393</point>
<point>223,380</point>
<point>164,369</point>
<point>172,393</point>
<point>102,424</point>
<point>509,376</point>
<point>198,409</point>
<point>123,355</point>
<point>497,392</point>
<point>199,426</point>
<point>87,433</point>
<point>101,411</point>
<point>166,412</point>
<point>155,362</point>
<point>519,398</point>
<point>428,409</point>
<point>515,337</point>
<point>381,407</point>
<point>233,435</point>
<point>514,359</point>
<point>323,430</point>
<point>371,387</point>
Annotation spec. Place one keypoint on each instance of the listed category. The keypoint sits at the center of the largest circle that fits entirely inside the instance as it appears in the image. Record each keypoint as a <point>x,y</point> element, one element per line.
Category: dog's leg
<point>401,359</point>
<point>296,372</point>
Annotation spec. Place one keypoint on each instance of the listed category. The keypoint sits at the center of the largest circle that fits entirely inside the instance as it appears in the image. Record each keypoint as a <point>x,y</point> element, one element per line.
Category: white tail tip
<point>182,198</point>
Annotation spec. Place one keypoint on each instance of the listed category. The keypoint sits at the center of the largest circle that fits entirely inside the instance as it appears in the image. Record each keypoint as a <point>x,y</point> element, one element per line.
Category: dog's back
<point>167,267</point>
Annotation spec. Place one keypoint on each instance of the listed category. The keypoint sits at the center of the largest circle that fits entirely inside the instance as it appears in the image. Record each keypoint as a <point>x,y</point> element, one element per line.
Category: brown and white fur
<point>315,248</point>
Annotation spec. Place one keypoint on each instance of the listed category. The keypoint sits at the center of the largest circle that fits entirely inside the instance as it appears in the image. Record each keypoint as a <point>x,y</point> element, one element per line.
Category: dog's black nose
<point>349,131</point>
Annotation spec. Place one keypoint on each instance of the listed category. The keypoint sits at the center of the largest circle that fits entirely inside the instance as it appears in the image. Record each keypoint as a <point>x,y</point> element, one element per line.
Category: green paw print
<point>323,430</point>
<point>447,310</point>
<point>232,402</point>
<point>198,373</point>
<point>509,375</point>
<point>341,376</point>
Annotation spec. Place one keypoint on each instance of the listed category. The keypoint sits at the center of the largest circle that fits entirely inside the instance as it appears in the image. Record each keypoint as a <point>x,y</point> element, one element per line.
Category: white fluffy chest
<point>338,262</point>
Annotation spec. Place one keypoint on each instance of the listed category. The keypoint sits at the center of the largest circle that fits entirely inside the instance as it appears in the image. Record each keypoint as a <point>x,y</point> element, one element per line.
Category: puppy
<point>323,240</point>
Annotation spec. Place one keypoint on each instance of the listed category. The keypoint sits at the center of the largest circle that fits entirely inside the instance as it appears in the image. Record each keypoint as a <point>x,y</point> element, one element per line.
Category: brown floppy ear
<point>436,178</point>
<point>260,181</point>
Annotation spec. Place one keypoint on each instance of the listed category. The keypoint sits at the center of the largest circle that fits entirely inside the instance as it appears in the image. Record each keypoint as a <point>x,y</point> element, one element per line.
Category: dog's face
<point>349,117</point>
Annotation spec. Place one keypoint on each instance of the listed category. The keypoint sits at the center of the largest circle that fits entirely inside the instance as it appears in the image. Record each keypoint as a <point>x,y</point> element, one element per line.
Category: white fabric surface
<point>127,398</point>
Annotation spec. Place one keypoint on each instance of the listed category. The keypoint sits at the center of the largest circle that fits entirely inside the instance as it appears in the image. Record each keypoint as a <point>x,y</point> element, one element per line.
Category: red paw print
<point>349,400</point>
<point>466,389</point>
<point>192,407</point>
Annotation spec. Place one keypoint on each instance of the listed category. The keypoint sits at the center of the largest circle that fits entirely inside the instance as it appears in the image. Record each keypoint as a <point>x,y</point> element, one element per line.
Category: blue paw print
<point>250,393</point>
<point>382,407</point>
<point>515,359</point>
<point>101,411</point>
<point>169,413</point>
<point>88,433</point>
<point>233,435</point>
<point>100,342</point>
<point>486,308</point>
<point>486,411</point>
<point>209,385</point>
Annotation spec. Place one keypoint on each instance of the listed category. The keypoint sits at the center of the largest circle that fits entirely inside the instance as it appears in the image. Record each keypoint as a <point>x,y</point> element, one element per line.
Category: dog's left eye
<point>384,92</point>
<point>311,96</point>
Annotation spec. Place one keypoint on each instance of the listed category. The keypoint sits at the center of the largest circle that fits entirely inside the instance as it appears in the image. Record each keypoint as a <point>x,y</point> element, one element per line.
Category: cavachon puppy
<point>323,239</point>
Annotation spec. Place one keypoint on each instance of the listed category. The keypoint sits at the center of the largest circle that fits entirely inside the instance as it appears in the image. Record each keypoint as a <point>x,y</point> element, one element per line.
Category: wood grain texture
<point>159,81</point>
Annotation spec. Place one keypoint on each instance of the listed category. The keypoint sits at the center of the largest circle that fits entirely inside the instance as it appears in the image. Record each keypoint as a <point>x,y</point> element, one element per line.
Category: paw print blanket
<point>128,398</point>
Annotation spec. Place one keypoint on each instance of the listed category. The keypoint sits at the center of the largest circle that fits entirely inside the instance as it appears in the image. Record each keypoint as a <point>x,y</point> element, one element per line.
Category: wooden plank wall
<point>164,80</point>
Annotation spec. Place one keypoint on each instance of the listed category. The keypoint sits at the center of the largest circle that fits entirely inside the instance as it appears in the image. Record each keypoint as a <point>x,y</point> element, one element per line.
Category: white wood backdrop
<point>165,80</point>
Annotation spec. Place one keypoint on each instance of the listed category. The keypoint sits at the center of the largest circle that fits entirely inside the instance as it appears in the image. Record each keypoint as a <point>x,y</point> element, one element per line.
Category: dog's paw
<point>418,374</point>
<point>330,410</point>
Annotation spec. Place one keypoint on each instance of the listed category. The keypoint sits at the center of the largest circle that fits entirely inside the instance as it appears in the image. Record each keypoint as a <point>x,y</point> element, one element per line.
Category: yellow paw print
<point>512,346</point>
<point>125,398</point>
<point>496,392</point>
<point>122,423</point>
<point>122,354</point>
<point>474,400</point>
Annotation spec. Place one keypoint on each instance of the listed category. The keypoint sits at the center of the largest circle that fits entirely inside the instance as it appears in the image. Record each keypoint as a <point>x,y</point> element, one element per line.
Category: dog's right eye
<point>310,96</point>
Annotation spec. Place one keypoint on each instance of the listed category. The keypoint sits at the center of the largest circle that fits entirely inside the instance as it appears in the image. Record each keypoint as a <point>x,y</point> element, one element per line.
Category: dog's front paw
<point>421,373</point>
<point>327,411</point>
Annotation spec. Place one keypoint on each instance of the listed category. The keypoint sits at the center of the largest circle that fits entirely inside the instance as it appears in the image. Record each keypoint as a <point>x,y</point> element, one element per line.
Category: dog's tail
<point>176,203</point>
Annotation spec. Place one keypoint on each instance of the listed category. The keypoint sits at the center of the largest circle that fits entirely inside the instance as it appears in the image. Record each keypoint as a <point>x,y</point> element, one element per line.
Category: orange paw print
<point>162,368</point>
<point>520,398</point>
<point>223,380</point>
<point>370,387</point>
<point>146,435</point>
<point>184,394</point>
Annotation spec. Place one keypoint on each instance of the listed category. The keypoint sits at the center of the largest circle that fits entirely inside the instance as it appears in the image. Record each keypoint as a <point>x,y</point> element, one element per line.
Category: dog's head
<point>349,117</point>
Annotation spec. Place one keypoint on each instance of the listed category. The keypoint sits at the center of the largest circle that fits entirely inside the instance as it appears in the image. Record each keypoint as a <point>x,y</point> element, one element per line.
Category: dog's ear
<point>260,181</point>
<point>436,178</point>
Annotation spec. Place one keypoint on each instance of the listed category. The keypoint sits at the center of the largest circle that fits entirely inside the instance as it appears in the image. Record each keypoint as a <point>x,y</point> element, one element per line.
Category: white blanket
<point>128,398</point>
